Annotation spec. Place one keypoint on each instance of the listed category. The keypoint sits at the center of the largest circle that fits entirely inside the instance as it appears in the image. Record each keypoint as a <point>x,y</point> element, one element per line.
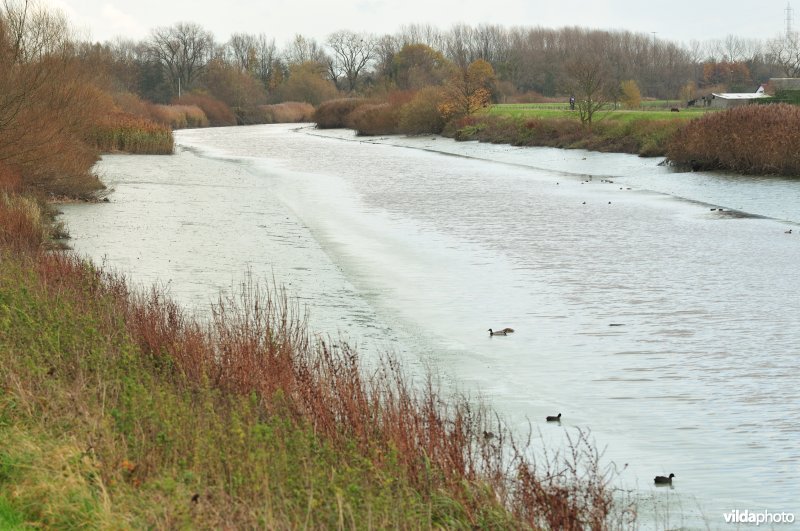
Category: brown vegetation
<point>131,134</point>
<point>643,137</point>
<point>286,112</point>
<point>759,139</point>
<point>373,119</point>
<point>217,112</point>
<point>334,114</point>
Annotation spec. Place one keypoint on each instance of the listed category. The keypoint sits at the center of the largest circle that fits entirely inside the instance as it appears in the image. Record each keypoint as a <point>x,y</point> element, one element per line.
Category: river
<point>658,309</point>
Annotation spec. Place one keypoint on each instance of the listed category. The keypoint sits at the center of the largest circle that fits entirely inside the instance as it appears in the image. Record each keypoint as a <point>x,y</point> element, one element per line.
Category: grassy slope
<point>95,433</point>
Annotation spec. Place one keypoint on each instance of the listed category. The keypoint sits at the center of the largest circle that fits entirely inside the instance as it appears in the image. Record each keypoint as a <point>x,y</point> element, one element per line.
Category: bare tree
<point>34,32</point>
<point>241,51</point>
<point>266,58</point>
<point>421,34</point>
<point>785,52</point>
<point>588,82</point>
<point>304,50</point>
<point>184,51</point>
<point>386,48</point>
<point>352,53</point>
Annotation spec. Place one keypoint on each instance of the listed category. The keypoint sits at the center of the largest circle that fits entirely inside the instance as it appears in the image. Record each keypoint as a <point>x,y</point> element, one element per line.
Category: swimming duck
<point>663,480</point>
<point>498,333</point>
<point>788,231</point>
<point>554,418</point>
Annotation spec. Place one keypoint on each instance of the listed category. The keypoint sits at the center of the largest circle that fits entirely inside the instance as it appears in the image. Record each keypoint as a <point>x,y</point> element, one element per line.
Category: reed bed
<point>159,419</point>
<point>753,139</point>
<point>131,134</point>
<point>178,116</point>
<point>218,113</point>
<point>286,112</point>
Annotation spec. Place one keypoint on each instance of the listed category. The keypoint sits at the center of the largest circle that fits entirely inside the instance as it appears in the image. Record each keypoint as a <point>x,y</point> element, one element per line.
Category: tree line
<point>184,63</point>
<point>527,60</point>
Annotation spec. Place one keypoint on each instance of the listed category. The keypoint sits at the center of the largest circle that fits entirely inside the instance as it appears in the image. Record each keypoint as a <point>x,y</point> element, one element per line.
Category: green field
<point>658,110</point>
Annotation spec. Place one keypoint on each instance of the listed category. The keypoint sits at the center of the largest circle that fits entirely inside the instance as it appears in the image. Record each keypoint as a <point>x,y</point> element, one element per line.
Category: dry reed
<point>757,139</point>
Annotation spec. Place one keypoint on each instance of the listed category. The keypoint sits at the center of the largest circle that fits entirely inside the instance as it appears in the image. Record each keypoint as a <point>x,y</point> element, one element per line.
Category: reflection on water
<point>667,328</point>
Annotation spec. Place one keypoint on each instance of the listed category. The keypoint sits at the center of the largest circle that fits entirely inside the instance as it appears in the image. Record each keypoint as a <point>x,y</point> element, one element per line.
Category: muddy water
<point>668,329</point>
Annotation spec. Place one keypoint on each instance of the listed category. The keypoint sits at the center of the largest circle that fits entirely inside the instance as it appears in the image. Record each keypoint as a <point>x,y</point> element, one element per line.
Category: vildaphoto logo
<point>757,517</point>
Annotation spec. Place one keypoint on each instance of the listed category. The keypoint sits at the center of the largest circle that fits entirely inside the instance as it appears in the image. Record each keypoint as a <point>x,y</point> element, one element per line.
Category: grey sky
<point>677,20</point>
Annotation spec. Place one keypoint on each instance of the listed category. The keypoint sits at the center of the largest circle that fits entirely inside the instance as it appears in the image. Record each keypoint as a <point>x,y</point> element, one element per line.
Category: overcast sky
<point>677,20</point>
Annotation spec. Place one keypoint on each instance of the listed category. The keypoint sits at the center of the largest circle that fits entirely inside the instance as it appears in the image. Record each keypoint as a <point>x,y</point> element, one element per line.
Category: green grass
<point>561,111</point>
<point>642,132</point>
<point>10,519</point>
<point>95,432</point>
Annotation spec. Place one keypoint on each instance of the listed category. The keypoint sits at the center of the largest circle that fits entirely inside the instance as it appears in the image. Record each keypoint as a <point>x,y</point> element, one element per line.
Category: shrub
<point>334,114</point>
<point>374,119</point>
<point>421,115</point>
<point>631,97</point>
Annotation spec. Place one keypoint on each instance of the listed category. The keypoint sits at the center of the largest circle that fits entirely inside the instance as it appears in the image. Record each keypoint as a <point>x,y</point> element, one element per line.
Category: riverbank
<point>640,136</point>
<point>692,140</point>
<point>117,406</point>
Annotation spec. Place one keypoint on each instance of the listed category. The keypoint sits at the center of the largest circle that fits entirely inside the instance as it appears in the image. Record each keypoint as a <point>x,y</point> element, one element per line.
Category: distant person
<point>572,103</point>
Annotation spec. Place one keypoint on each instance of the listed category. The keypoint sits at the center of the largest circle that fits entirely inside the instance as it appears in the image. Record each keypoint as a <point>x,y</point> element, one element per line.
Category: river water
<point>660,310</point>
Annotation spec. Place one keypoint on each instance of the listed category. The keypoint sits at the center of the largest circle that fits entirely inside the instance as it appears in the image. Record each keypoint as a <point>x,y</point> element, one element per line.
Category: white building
<point>726,100</point>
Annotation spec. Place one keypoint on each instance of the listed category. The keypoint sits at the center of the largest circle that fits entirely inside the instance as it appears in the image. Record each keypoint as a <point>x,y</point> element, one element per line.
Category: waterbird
<point>498,333</point>
<point>788,231</point>
<point>663,480</point>
<point>554,418</point>
<point>508,330</point>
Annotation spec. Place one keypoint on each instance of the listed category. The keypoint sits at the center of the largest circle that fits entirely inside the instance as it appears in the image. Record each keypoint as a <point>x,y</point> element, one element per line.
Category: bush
<point>759,139</point>
<point>334,114</point>
<point>374,119</point>
<point>421,115</point>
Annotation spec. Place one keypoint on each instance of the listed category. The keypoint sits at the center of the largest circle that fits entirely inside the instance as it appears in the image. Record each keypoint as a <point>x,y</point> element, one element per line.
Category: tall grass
<point>122,408</point>
<point>178,116</point>
<point>131,134</point>
<point>218,113</point>
<point>22,224</point>
<point>759,139</point>
<point>286,112</point>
